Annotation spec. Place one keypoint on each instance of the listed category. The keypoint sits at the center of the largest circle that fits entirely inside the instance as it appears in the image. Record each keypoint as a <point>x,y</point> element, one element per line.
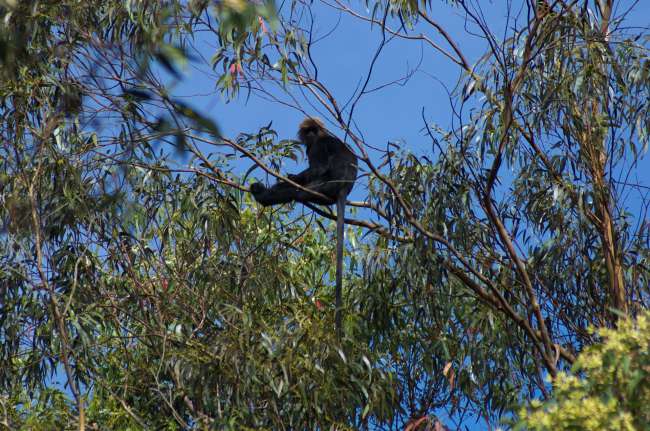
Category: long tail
<point>340,214</point>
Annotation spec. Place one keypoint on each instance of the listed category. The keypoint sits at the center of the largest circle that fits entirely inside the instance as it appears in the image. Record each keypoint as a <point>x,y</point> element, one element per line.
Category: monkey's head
<point>311,130</point>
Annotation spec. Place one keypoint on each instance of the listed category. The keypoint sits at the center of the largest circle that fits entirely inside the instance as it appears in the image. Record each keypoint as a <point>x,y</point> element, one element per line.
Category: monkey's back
<point>343,164</point>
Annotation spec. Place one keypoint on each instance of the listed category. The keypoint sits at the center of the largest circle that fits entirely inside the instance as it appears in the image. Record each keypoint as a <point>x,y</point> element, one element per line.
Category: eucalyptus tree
<point>142,288</point>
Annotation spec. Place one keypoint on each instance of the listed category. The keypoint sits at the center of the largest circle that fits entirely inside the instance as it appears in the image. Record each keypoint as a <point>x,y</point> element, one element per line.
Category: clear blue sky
<point>343,57</point>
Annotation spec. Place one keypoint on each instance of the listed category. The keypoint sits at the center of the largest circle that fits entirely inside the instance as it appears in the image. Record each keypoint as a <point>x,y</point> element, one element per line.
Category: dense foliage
<point>609,389</point>
<point>141,288</point>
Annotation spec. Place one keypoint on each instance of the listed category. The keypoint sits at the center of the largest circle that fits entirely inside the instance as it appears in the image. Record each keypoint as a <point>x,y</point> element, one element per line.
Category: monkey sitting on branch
<point>331,174</point>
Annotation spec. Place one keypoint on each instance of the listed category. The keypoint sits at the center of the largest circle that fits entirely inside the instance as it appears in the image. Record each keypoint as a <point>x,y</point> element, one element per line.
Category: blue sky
<point>392,114</point>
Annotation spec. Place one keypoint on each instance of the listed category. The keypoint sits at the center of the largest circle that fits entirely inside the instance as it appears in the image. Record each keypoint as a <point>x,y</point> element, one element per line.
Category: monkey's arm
<point>320,164</point>
<point>309,175</point>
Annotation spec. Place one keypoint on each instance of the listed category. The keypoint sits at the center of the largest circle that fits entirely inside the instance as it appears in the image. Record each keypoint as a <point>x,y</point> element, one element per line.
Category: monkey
<point>332,172</point>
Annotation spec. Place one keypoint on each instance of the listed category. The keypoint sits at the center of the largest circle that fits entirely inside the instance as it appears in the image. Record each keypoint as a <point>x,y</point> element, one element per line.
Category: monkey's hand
<point>293,177</point>
<point>257,188</point>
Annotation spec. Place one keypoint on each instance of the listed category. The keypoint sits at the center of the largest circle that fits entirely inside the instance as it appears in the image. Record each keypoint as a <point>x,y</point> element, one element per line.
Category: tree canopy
<point>142,288</point>
<point>615,393</point>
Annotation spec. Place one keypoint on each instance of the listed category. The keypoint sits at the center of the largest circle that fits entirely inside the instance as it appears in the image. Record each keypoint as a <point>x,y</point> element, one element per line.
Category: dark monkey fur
<point>332,171</point>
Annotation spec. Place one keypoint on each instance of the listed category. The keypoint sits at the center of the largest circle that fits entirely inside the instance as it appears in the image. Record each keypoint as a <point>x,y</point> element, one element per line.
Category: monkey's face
<point>311,129</point>
<point>310,135</point>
